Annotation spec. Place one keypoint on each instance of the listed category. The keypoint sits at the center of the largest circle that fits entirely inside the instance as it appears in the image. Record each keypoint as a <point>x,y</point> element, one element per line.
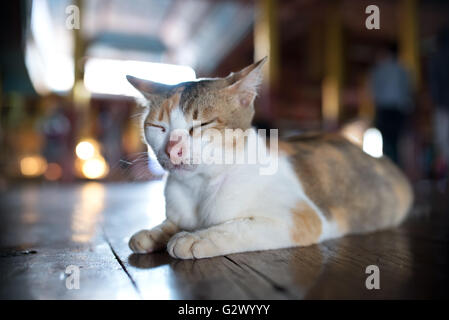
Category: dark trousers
<point>390,123</point>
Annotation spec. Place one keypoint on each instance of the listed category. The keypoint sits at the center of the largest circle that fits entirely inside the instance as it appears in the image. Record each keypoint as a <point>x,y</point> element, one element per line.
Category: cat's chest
<point>195,204</point>
<point>201,204</point>
<point>213,201</point>
<point>223,199</point>
<point>210,200</point>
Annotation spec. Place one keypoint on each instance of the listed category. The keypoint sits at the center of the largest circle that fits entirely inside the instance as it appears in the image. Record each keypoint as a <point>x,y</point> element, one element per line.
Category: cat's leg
<point>179,209</point>
<point>146,241</point>
<point>239,235</point>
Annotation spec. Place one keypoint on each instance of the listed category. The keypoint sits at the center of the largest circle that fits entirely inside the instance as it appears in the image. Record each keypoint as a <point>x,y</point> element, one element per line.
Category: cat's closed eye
<point>201,125</point>
<point>149,124</point>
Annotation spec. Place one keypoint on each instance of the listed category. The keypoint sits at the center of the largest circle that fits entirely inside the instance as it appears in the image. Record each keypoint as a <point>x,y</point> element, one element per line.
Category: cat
<point>324,186</point>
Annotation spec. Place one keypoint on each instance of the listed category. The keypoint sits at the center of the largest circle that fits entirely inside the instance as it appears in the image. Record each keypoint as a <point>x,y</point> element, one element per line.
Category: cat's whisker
<point>137,153</point>
<point>137,115</point>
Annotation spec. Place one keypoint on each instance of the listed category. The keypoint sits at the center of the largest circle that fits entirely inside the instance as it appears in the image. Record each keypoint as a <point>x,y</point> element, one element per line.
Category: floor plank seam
<point>276,286</point>
<point>240,284</point>
<point>272,283</point>
<point>122,265</point>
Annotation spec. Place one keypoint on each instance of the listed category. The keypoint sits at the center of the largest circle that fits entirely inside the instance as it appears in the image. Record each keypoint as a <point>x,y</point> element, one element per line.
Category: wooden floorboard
<point>45,229</point>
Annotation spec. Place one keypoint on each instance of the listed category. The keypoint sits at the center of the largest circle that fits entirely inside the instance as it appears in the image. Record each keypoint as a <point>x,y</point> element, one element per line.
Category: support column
<point>80,95</point>
<point>409,38</point>
<point>266,44</point>
<point>266,38</point>
<point>333,66</point>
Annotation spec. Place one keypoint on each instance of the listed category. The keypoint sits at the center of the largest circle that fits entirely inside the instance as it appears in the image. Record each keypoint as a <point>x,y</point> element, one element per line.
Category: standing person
<point>439,89</point>
<point>392,91</point>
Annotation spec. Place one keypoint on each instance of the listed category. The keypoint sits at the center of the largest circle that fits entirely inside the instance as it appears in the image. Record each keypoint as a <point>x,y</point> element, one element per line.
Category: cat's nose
<point>169,147</point>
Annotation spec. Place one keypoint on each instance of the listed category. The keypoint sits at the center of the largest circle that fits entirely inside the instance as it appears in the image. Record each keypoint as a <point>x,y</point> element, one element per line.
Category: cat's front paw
<point>146,241</point>
<point>187,245</point>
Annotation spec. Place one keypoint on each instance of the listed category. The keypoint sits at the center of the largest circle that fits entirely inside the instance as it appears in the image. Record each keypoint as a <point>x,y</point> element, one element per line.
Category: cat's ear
<point>244,84</point>
<point>148,88</point>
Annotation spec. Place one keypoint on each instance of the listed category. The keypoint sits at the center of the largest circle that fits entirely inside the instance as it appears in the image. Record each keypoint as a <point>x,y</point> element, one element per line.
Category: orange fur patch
<point>340,216</point>
<point>162,113</point>
<point>307,226</point>
<point>286,148</point>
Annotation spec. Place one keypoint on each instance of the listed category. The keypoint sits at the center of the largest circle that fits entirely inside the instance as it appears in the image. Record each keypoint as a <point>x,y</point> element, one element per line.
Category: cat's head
<point>180,115</point>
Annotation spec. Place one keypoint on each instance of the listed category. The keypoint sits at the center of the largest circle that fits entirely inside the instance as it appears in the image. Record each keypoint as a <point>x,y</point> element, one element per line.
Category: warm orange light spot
<point>87,213</point>
<point>33,166</point>
<point>53,172</point>
<point>95,168</point>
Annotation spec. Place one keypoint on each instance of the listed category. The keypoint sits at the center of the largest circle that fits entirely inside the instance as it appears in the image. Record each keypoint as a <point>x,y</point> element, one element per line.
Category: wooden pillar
<point>1,105</point>
<point>367,109</point>
<point>266,44</point>
<point>409,38</point>
<point>78,47</point>
<point>333,66</point>
<point>80,95</point>
<point>266,38</point>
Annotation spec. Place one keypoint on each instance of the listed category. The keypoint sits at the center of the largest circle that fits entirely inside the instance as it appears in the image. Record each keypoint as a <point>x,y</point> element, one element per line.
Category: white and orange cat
<point>323,187</point>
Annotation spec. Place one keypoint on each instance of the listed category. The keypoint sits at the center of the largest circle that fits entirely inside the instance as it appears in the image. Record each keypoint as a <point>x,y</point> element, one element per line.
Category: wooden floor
<point>45,229</point>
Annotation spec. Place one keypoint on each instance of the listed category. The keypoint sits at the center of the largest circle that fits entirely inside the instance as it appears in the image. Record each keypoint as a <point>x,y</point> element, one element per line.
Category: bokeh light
<point>85,150</point>
<point>53,172</point>
<point>33,166</point>
<point>372,142</point>
<point>95,168</point>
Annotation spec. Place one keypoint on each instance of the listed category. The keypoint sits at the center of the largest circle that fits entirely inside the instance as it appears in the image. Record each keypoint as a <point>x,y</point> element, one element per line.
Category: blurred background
<point>68,114</point>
